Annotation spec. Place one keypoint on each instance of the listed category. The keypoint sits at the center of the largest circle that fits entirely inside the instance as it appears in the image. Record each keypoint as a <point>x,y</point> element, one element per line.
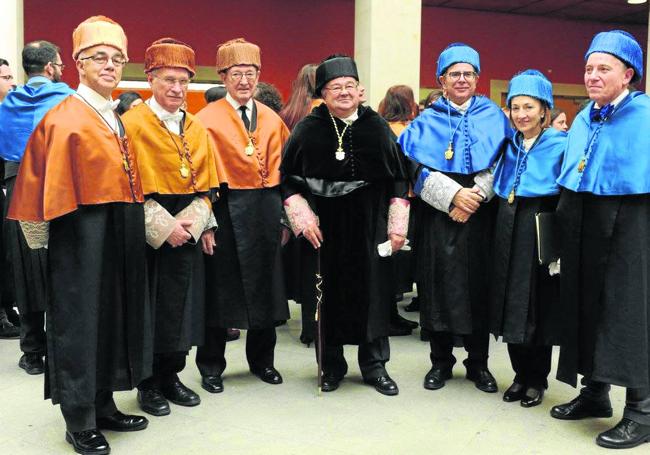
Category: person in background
<point>523,295</point>
<point>128,100</point>
<point>22,109</point>
<point>269,95</point>
<point>398,108</point>
<point>604,219</point>
<point>6,79</point>
<point>214,94</point>
<point>558,120</point>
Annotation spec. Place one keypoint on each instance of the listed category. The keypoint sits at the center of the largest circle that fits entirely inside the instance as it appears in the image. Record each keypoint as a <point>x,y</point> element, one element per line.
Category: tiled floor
<point>251,417</point>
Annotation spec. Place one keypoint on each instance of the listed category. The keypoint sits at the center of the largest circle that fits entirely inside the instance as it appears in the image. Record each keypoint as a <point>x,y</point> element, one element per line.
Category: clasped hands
<point>465,202</point>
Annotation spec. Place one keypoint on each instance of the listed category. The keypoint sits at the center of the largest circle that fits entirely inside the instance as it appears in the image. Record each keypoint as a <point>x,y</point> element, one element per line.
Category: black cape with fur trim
<point>351,198</point>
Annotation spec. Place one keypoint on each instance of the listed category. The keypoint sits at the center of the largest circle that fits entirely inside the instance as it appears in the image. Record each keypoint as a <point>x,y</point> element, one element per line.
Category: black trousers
<point>165,368</point>
<point>260,350</point>
<point>32,332</point>
<point>81,418</point>
<point>372,359</point>
<point>532,364</point>
<point>476,345</point>
<point>637,401</point>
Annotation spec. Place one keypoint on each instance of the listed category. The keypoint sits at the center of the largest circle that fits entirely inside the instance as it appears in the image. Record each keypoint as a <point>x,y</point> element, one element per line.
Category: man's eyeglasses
<point>467,75</point>
<point>60,65</point>
<point>102,59</point>
<point>237,76</point>
<point>337,89</point>
<point>171,82</point>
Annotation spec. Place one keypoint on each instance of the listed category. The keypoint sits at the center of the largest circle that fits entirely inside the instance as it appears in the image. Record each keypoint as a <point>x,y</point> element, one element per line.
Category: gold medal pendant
<point>581,165</point>
<point>340,154</point>
<point>250,148</point>
<point>449,153</point>
<point>511,197</point>
<point>185,172</point>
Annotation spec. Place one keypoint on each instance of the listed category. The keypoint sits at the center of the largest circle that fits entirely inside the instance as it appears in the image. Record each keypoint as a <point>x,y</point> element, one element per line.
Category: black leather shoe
<point>396,330</point>
<point>32,363</point>
<point>532,397</point>
<point>89,442</point>
<point>232,334</point>
<point>213,384</point>
<point>122,422</point>
<point>384,385</point>
<point>436,377</point>
<point>581,408</point>
<point>402,321</point>
<point>626,434</point>
<point>483,379</point>
<point>514,393</point>
<point>153,402</point>
<point>413,306</point>
<point>179,394</point>
<point>7,328</point>
<point>330,382</point>
<point>269,375</point>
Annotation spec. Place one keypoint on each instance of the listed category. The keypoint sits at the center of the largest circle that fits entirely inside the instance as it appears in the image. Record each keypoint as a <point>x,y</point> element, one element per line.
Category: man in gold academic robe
<point>78,192</point>
<point>245,287</point>
<point>177,164</point>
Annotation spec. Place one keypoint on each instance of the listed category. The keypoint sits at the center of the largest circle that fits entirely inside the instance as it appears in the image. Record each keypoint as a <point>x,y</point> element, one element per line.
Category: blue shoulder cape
<point>540,166</point>
<point>619,160</point>
<point>23,109</point>
<point>477,140</point>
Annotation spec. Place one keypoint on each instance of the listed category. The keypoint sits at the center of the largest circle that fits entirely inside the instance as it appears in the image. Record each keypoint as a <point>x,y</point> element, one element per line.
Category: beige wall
<point>11,44</point>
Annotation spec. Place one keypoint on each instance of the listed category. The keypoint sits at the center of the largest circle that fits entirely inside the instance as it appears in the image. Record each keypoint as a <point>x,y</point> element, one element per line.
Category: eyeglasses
<point>102,59</point>
<point>237,76</point>
<point>467,75</point>
<point>337,89</point>
<point>8,77</point>
<point>171,82</point>
<point>60,65</point>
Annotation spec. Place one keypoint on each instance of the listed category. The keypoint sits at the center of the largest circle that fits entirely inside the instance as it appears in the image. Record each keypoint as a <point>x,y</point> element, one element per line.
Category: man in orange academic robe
<point>245,287</point>
<point>177,164</point>
<point>78,192</point>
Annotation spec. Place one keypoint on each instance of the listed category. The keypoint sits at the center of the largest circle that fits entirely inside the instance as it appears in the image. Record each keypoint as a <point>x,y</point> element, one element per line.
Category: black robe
<point>522,293</point>
<point>453,266</point>
<point>244,284</point>
<point>98,316</point>
<point>177,287</point>
<point>351,199</point>
<point>605,288</point>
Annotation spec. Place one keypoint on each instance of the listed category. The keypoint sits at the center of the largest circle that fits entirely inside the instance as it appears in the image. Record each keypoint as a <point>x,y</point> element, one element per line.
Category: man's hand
<point>396,242</point>
<point>179,235</point>
<point>459,215</point>
<point>207,242</point>
<point>313,234</point>
<point>468,199</point>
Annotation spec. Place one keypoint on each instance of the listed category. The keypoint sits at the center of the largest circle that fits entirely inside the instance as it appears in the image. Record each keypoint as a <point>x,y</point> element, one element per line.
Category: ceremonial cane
<point>318,317</point>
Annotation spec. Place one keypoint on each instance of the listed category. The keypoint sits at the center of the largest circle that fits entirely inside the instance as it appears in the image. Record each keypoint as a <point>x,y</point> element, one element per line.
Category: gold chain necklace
<point>340,154</point>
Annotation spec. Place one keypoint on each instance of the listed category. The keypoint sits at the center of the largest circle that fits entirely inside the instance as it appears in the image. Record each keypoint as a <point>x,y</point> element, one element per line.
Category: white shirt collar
<point>160,111</point>
<point>351,118</point>
<point>235,104</point>
<point>620,97</point>
<point>462,108</point>
<point>96,100</point>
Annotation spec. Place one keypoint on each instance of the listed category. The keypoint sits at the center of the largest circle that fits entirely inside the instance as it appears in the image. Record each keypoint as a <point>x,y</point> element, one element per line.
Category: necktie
<point>600,114</point>
<point>244,117</point>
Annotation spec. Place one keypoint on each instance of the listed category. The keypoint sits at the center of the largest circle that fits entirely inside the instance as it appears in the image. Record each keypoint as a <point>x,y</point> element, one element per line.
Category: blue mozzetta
<point>623,46</point>
<point>531,83</point>
<point>616,150</point>
<point>479,135</point>
<point>22,109</point>
<point>457,53</point>
<point>538,168</point>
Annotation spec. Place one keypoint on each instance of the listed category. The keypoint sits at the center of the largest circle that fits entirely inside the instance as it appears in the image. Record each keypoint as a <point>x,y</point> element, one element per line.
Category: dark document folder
<point>548,237</point>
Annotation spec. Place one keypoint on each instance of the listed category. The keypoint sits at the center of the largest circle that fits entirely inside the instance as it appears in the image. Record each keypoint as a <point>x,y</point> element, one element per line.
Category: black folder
<point>548,237</point>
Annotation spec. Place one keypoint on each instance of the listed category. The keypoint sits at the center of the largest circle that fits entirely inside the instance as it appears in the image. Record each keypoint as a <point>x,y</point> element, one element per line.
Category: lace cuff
<point>299,213</point>
<point>484,181</point>
<point>158,223</point>
<point>37,233</point>
<point>439,190</point>
<point>398,216</point>
<point>201,216</point>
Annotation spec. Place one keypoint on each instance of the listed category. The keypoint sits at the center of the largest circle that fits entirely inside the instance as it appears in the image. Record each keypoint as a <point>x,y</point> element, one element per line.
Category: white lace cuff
<point>299,213</point>
<point>484,182</point>
<point>37,233</point>
<point>439,190</point>
<point>200,214</point>
<point>158,223</point>
<point>398,216</point>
